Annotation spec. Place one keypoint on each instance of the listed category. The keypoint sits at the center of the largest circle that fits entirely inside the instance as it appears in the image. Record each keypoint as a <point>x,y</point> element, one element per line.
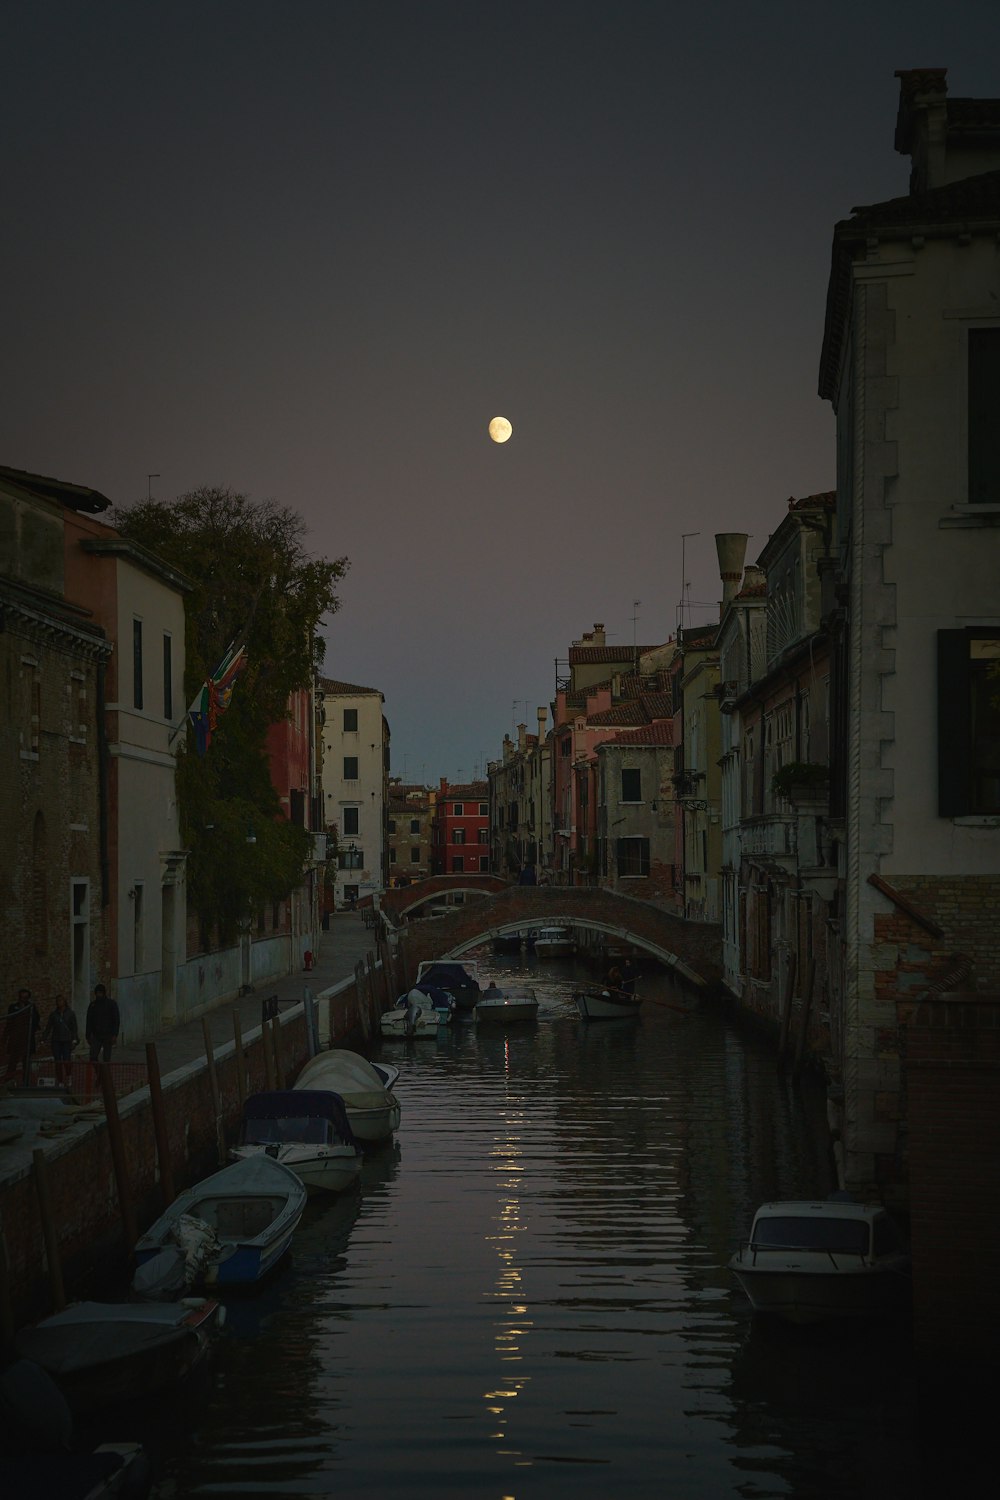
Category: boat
<point>421,1012</point>
<point>506,1005</point>
<point>229,1230</point>
<point>306,1130</point>
<point>554,942</point>
<point>103,1353</point>
<point>39,1451</point>
<point>807,1261</point>
<point>460,980</point>
<point>606,1005</point>
<point>366,1089</point>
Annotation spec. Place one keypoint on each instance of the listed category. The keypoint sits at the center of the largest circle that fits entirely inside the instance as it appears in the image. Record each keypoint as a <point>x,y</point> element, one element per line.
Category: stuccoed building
<point>355,779</point>
<point>911,365</point>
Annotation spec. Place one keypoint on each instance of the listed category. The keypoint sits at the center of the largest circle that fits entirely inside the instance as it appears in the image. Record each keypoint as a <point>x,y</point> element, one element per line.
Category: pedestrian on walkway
<point>21,1032</point>
<point>63,1034</point>
<point>103,1024</point>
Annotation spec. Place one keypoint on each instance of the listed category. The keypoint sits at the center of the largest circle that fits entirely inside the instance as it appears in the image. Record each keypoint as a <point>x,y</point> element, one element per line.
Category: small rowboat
<point>606,1005</point>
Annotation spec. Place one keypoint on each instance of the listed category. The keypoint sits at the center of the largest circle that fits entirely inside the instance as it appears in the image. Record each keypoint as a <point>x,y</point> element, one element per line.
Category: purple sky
<point>308,251</point>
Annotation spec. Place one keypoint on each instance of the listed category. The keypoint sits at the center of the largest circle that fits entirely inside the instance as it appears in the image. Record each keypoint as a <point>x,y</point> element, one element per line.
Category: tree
<point>253,581</point>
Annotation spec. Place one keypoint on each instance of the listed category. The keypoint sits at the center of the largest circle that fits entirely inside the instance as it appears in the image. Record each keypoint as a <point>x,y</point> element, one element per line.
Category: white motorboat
<point>810,1261</point>
<point>228,1230</point>
<point>555,942</point>
<point>366,1089</point>
<point>506,1005</point>
<point>308,1131</point>
<point>419,1013</point>
<point>606,1005</point>
<point>102,1353</point>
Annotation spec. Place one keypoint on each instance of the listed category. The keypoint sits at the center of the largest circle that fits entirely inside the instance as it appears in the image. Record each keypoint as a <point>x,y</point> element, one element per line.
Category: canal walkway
<point>41,1117</point>
<point>341,949</point>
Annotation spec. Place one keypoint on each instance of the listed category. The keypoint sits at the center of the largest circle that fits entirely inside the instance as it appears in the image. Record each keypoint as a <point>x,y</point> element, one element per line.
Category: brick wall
<point>94,1257</point>
<point>952,1052</point>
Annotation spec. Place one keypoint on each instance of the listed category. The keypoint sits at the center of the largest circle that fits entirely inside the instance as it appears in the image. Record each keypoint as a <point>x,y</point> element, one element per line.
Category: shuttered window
<point>984,416</point>
<point>968,722</point>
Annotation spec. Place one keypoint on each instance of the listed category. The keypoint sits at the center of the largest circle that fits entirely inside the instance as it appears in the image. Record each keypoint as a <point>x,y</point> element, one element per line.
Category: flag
<point>215,695</point>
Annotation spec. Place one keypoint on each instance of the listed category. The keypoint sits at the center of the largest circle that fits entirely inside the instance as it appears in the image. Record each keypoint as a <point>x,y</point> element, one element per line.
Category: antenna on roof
<point>685,585</point>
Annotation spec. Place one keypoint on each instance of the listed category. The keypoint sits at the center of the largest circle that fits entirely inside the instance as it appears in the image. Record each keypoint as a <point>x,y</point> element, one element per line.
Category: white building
<point>355,786</point>
<point>911,364</point>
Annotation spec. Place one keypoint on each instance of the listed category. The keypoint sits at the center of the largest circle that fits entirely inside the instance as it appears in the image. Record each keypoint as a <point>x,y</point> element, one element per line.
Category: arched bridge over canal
<point>691,949</point>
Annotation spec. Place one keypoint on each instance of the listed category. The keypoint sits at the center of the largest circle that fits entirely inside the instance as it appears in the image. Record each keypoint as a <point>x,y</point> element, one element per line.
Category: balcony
<point>774,836</point>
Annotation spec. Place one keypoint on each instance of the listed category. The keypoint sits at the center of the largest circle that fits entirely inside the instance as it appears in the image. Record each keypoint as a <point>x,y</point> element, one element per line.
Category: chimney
<point>599,634</point>
<point>922,124</point>
<point>542,715</point>
<point>732,548</point>
<point>522,737</point>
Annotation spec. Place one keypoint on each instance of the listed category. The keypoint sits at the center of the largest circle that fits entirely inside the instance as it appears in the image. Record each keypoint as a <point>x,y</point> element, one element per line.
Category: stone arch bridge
<point>692,950</point>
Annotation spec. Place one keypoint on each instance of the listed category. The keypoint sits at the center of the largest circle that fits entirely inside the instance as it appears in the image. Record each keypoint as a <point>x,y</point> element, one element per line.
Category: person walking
<point>21,1032</point>
<point>63,1034</point>
<point>103,1024</point>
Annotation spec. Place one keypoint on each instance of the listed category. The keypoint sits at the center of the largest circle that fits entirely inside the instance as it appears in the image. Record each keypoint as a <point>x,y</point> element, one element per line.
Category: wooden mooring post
<point>160,1124</point>
<point>49,1231</point>
<point>213,1084</point>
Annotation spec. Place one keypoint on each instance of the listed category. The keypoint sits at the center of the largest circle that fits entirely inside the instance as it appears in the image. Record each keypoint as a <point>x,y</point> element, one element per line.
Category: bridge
<point>491,907</point>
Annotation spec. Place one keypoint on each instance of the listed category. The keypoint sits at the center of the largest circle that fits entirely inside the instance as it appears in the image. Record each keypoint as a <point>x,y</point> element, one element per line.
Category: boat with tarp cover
<point>306,1130</point>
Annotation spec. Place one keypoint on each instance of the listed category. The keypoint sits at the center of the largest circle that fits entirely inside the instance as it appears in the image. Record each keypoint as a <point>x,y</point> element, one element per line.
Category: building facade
<point>911,365</point>
<point>355,779</point>
<point>462,828</point>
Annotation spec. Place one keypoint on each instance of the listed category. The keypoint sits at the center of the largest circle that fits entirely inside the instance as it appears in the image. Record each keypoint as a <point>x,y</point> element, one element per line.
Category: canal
<point>528,1296</point>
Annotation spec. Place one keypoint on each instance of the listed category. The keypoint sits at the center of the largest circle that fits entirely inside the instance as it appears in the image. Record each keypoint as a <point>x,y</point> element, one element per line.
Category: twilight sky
<point>308,250</point>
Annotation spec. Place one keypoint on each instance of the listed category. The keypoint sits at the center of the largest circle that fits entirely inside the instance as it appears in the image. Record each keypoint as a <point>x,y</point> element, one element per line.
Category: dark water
<point>528,1296</point>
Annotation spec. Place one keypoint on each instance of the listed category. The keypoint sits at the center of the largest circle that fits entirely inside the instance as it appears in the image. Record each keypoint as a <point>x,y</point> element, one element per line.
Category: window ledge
<point>970,517</point>
<point>978,820</point>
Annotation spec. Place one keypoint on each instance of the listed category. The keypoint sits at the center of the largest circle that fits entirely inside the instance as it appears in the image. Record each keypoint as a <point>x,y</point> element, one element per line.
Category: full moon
<point>500,429</point>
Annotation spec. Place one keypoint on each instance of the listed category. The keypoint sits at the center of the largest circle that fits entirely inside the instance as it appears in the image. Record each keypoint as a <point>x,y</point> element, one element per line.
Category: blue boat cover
<point>447,977</point>
<point>301,1104</point>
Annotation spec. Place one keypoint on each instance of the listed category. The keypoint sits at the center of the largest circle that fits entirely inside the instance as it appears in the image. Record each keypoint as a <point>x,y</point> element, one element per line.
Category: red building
<point>291,758</point>
<point>461,841</point>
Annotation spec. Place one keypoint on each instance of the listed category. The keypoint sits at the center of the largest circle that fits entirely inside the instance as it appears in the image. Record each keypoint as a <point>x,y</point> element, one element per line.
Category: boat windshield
<point>791,1232</point>
<point>301,1129</point>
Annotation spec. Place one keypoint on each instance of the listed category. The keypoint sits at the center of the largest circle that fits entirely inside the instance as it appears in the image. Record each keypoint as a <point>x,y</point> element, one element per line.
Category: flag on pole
<point>215,695</point>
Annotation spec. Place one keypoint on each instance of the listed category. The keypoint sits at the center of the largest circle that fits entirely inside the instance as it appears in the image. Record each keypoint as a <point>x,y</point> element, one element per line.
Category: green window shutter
<point>984,416</point>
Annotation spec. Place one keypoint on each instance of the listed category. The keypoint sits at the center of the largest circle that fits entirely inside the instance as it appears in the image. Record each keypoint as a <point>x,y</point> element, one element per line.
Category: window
<point>984,430</point>
<point>168,678</point>
<point>414,856</point>
<point>969,722</point>
<point>484,809</point>
<point>351,859</point>
<point>297,806</point>
<point>350,768</point>
<point>458,864</point>
<point>414,825</point>
<point>351,820</point>
<point>484,863</point>
<point>458,835</point>
<point>631,785</point>
<point>137,663</point>
<point>138,934</point>
<point>484,835</point>
<point>392,854</point>
<point>350,720</point>
<point>459,809</point>
<point>633,857</point>
<point>392,825</point>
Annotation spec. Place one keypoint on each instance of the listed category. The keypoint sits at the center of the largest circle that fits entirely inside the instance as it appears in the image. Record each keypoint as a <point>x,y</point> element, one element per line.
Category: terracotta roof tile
<point>590,655</point>
<point>347,689</point>
<point>660,733</point>
<point>622,713</point>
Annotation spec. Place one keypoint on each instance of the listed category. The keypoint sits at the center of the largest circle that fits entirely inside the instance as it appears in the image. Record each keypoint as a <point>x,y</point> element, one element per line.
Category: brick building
<point>462,828</point>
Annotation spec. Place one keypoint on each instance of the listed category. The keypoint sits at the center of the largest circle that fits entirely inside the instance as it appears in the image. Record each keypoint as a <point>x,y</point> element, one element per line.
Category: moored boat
<point>421,1012</point>
<point>103,1353</point>
<point>458,979</point>
<point>807,1261</point>
<point>606,1005</point>
<point>366,1089</point>
<point>555,942</point>
<point>306,1130</point>
<point>229,1230</point>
